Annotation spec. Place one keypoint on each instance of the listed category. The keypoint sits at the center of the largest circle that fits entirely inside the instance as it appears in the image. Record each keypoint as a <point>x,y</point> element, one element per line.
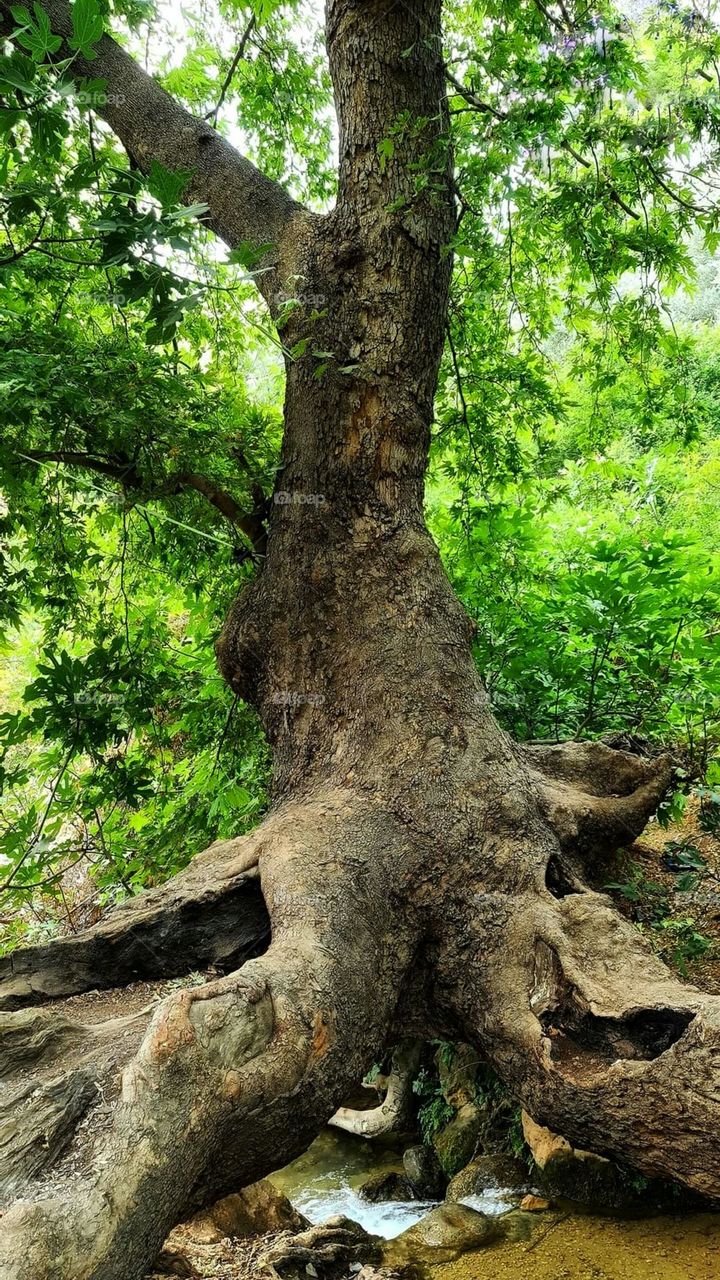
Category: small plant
<point>681,943</point>
<point>710,810</point>
<point>435,1111</point>
<point>647,896</point>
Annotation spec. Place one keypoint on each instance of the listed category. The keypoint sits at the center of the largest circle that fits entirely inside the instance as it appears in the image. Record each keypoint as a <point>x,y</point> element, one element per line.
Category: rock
<point>330,1252</point>
<point>573,1174</point>
<point>379,1273</point>
<point>424,1173</point>
<point>569,1173</point>
<point>543,1143</point>
<point>534,1204</point>
<point>441,1236</point>
<point>387,1186</point>
<point>455,1145</point>
<point>458,1075</point>
<point>258,1210</point>
<point>486,1172</point>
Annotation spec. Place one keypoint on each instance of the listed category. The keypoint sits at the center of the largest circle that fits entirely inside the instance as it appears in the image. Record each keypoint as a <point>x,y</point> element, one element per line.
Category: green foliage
<point>434,1111</point>
<point>681,943</point>
<point>575,473</point>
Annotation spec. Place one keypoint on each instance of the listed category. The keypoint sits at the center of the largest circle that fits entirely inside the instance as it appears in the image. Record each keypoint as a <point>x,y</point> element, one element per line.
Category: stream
<point>326,1181</point>
<point>565,1245</point>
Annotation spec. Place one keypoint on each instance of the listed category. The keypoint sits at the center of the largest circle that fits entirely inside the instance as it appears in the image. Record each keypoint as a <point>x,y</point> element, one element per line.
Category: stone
<point>535,1204</point>
<point>424,1173</point>
<point>257,1210</point>
<point>442,1235</point>
<point>486,1172</point>
<point>543,1143</point>
<point>456,1144</point>
<point>387,1186</point>
<point>584,1178</point>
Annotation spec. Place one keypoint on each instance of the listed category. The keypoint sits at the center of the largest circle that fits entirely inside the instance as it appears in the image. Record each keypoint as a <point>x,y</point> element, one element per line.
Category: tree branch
<point>250,523</point>
<point>239,55</point>
<point>476,103</point>
<point>244,205</point>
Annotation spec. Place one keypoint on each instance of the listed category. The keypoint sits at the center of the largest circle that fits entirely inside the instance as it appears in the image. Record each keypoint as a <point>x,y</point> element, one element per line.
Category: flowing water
<point>326,1181</point>
<point>558,1246</point>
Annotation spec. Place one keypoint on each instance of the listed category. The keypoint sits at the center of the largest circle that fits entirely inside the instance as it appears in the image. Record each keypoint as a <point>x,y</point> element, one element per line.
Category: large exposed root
<point>594,797</point>
<point>231,1079</point>
<point>213,913</point>
<point>596,1037</point>
<point>393,1115</point>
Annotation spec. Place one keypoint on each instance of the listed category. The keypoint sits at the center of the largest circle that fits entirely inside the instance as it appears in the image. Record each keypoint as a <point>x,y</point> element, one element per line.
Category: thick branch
<point>387,68</point>
<point>243,204</point>
<point>251,523</point>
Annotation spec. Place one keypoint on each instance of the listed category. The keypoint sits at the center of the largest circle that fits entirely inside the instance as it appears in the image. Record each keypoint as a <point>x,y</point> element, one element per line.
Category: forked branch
<point>243,204</point>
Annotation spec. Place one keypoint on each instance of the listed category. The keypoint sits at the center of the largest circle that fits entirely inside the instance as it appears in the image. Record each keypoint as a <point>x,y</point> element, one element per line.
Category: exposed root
<point>249,1066</point>
<point>330,1250</point>
<point>600,1041</point>
<point>393,1115</point>
<point>213,913</point>
<point>595,798</point>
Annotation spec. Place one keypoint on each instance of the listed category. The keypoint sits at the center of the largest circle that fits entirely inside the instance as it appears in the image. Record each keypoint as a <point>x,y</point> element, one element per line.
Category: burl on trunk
<point>419,873</point>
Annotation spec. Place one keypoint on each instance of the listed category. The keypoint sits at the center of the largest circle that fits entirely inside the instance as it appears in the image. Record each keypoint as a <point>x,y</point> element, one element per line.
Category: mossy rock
<point>456,1144</point>
<point>489,1172</point>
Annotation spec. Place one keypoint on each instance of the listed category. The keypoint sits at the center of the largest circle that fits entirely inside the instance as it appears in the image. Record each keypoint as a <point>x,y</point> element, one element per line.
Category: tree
<point>419,873</point>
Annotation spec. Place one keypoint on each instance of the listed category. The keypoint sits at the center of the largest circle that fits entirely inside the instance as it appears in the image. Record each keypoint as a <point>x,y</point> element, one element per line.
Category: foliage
<point>575,470</point>
<point>434,1110</point>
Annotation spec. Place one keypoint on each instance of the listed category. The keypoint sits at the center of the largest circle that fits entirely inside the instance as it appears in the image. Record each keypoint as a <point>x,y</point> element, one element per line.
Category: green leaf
<point>248,255</point>
<point>17,72</point>
<point>167,186</point>
<point>36,35</point>
<point>386,151</point>
<point>263,9</point>
<point>88,27</point>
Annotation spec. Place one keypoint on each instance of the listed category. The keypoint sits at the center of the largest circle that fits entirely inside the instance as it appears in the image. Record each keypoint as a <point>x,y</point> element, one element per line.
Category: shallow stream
<point>562,1245</point>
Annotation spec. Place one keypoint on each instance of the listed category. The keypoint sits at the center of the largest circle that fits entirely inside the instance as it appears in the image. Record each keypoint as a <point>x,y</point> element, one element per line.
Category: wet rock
<point>569,1173</point>
<point>387,1186</point>
<point>381,1273</point>
<point>488,1172</point>
<point>331,1251</point>
<point>544,1144</point>
<point>424,1173</point>
<point>456,1144</point>
<point>574,1174</point>
<point>535,1204</point>
<point>442,1235</point>
<point>258,1210</point>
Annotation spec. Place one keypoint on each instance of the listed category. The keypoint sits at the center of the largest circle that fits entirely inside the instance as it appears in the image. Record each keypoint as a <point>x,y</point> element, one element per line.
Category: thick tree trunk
<point>419,874</point>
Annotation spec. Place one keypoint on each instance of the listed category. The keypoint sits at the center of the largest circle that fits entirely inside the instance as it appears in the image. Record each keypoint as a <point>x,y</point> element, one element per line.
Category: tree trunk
<point>421,873</point>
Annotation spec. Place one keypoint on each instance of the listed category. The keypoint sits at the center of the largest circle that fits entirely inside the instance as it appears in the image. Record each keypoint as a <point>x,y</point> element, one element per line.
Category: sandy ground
<point>584,1248</point>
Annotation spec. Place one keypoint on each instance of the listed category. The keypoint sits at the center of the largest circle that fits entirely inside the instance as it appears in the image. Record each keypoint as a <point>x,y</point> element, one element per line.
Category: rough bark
<point>422,874</point>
